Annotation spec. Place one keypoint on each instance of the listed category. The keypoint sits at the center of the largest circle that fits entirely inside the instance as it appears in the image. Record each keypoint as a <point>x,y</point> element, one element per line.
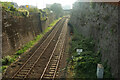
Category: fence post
<point>100,71</point>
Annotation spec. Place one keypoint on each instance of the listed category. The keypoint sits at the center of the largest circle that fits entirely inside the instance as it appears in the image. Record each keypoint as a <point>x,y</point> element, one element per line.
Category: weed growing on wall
<point>84,65</point>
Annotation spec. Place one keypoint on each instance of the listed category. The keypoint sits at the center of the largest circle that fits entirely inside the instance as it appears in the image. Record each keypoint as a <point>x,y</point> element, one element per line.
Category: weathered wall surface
<point>100,21</point>
<point>17,31</point>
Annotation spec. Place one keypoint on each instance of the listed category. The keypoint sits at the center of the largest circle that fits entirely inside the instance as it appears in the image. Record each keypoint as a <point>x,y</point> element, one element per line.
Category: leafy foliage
<point>33,10</point>
<point>107,69</point>
<point>43,14</point>
<point>3,68</point>
<point>24,12</point>
<point>57,9</point>
<point>7,60</point>
<point>12,8</point>
<point>85,64</point>
<point>6,4</point>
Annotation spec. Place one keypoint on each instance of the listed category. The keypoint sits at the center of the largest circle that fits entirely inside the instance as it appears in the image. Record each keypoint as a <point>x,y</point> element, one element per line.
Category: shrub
<point>12,8</point>
<point>2,68</point>
<point>33,10</point>
<point>24,13</point>
<point>85,64</point>
<point>7,60</point>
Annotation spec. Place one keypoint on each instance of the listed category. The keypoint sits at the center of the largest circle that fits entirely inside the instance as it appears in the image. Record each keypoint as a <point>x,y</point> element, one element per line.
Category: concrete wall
<point>100,21</point>
<point>17,31</point>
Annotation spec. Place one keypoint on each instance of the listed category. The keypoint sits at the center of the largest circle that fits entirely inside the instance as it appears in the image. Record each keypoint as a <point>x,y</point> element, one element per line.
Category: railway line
<point>44,61</point>
<point>52,66</point>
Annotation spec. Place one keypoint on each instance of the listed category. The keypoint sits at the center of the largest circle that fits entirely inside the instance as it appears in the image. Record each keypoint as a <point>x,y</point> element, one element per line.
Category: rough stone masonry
<point>100,21</point>
<point>17,31</point>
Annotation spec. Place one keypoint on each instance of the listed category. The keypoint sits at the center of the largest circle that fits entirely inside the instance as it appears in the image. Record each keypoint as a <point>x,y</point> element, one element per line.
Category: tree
<point>57,9</point>
<point>12,8</point>
<point>33,10</point>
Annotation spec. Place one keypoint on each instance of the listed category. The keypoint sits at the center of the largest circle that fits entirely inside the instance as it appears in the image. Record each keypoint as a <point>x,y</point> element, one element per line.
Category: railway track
<point>41,54</point>
<point>54,60</point>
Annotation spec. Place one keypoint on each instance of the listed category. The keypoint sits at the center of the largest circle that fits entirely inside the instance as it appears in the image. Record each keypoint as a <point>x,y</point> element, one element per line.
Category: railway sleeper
<point>51,72</point>
<point>56,75</point>
<point>54,64</point>
<point>27,68</point>
<point>56,56</point>
<point>23,73</point>
<point>55,60</point>
<point>20,75</point>
<point>52,68</point>
<point>49,75</point>
<point>24,70</point>
<point>46,77</point>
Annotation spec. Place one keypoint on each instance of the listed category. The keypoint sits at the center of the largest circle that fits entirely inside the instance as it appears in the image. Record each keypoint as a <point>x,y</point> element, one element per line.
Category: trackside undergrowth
<point>84,65</point>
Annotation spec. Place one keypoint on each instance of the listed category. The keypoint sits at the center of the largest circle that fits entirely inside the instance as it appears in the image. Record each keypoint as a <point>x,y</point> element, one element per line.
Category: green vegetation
<point>57,9</point>
<point>24,12</point>
<point>107,73</point>
<point>54,22</point>
<point>7,60</point>
<point>7,6</point>
<point>43,14</point>
<point>85,64</point>
<point>12,8</point>
<point>92,5</point>
<point>28,45</point>
<point>3,68</point>
<point>33,10</point>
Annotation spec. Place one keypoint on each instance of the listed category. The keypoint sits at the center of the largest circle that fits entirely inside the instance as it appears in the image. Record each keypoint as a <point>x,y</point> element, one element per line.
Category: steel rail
<point>37,50</point>
<point>42,76</point>
<point>41,54</point>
